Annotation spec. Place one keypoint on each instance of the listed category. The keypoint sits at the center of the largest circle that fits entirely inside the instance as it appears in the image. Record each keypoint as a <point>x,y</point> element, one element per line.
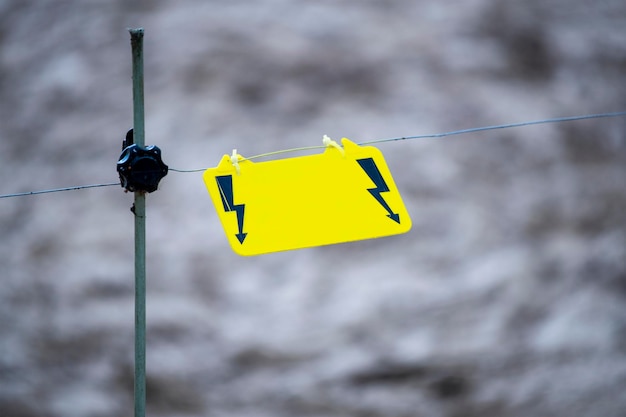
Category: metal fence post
<point>136,40</point>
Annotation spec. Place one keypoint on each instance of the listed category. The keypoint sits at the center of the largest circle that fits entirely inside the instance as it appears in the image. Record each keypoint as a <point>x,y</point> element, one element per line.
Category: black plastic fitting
<point>140,168</point>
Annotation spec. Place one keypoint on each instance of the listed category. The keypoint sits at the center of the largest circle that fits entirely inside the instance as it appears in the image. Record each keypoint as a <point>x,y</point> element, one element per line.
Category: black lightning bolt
<point>369,166</point>
<point>225,184</point>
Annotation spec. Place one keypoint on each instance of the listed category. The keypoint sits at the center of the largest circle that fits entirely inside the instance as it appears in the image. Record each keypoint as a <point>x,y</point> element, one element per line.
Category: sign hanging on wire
<point>341,195</point>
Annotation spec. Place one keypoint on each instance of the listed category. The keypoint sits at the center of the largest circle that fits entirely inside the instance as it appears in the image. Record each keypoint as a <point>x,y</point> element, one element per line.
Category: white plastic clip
<point>328,142</point>
<point>234,159</point>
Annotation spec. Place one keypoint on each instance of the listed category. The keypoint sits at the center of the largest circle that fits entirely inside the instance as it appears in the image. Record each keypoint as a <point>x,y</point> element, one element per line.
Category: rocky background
<point>507,298</point>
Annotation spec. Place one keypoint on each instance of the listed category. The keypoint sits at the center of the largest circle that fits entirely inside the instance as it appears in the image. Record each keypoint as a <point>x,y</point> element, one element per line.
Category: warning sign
<point>340,195</point>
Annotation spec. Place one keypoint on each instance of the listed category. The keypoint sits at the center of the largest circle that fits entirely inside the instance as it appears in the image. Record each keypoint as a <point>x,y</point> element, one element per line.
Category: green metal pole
<point>136,41</point>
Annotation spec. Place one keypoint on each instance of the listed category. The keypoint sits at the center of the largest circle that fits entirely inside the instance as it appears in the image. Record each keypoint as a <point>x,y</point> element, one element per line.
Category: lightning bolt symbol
<point>225,185</point>
<point>370,168</point>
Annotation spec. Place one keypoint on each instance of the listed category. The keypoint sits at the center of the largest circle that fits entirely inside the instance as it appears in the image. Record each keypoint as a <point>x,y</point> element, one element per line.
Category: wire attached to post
<point>306,148</point>
<point>57,190</point>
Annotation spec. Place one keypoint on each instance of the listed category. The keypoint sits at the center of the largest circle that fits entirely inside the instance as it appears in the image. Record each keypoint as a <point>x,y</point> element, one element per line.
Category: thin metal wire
<point>434,135</point>
<point>306,148</point>
<point>56,190</point>
<point>263,155</point>
<point>504,126</point>
<point>187,170</point>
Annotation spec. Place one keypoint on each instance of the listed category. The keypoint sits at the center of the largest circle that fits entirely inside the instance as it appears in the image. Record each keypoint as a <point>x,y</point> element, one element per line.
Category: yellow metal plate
<point>306,201</point>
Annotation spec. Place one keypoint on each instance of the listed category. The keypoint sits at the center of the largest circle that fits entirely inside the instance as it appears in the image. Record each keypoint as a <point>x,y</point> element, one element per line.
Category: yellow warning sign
<point>340,195</point>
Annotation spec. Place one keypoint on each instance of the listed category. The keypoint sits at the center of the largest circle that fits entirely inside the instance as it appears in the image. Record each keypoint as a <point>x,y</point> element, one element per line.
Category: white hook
<point>328,142</point>
<point>234,159</point>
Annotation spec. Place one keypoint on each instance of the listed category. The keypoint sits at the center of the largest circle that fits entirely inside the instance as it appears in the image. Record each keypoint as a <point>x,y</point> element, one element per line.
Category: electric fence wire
<point>504,126</point>
<point>56,190</point>
<point>441,135</point>
<point>306,148</point>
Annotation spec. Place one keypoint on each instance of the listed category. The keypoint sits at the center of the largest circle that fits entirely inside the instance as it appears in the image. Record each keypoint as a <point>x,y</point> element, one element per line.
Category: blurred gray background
<point>507,298</point>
